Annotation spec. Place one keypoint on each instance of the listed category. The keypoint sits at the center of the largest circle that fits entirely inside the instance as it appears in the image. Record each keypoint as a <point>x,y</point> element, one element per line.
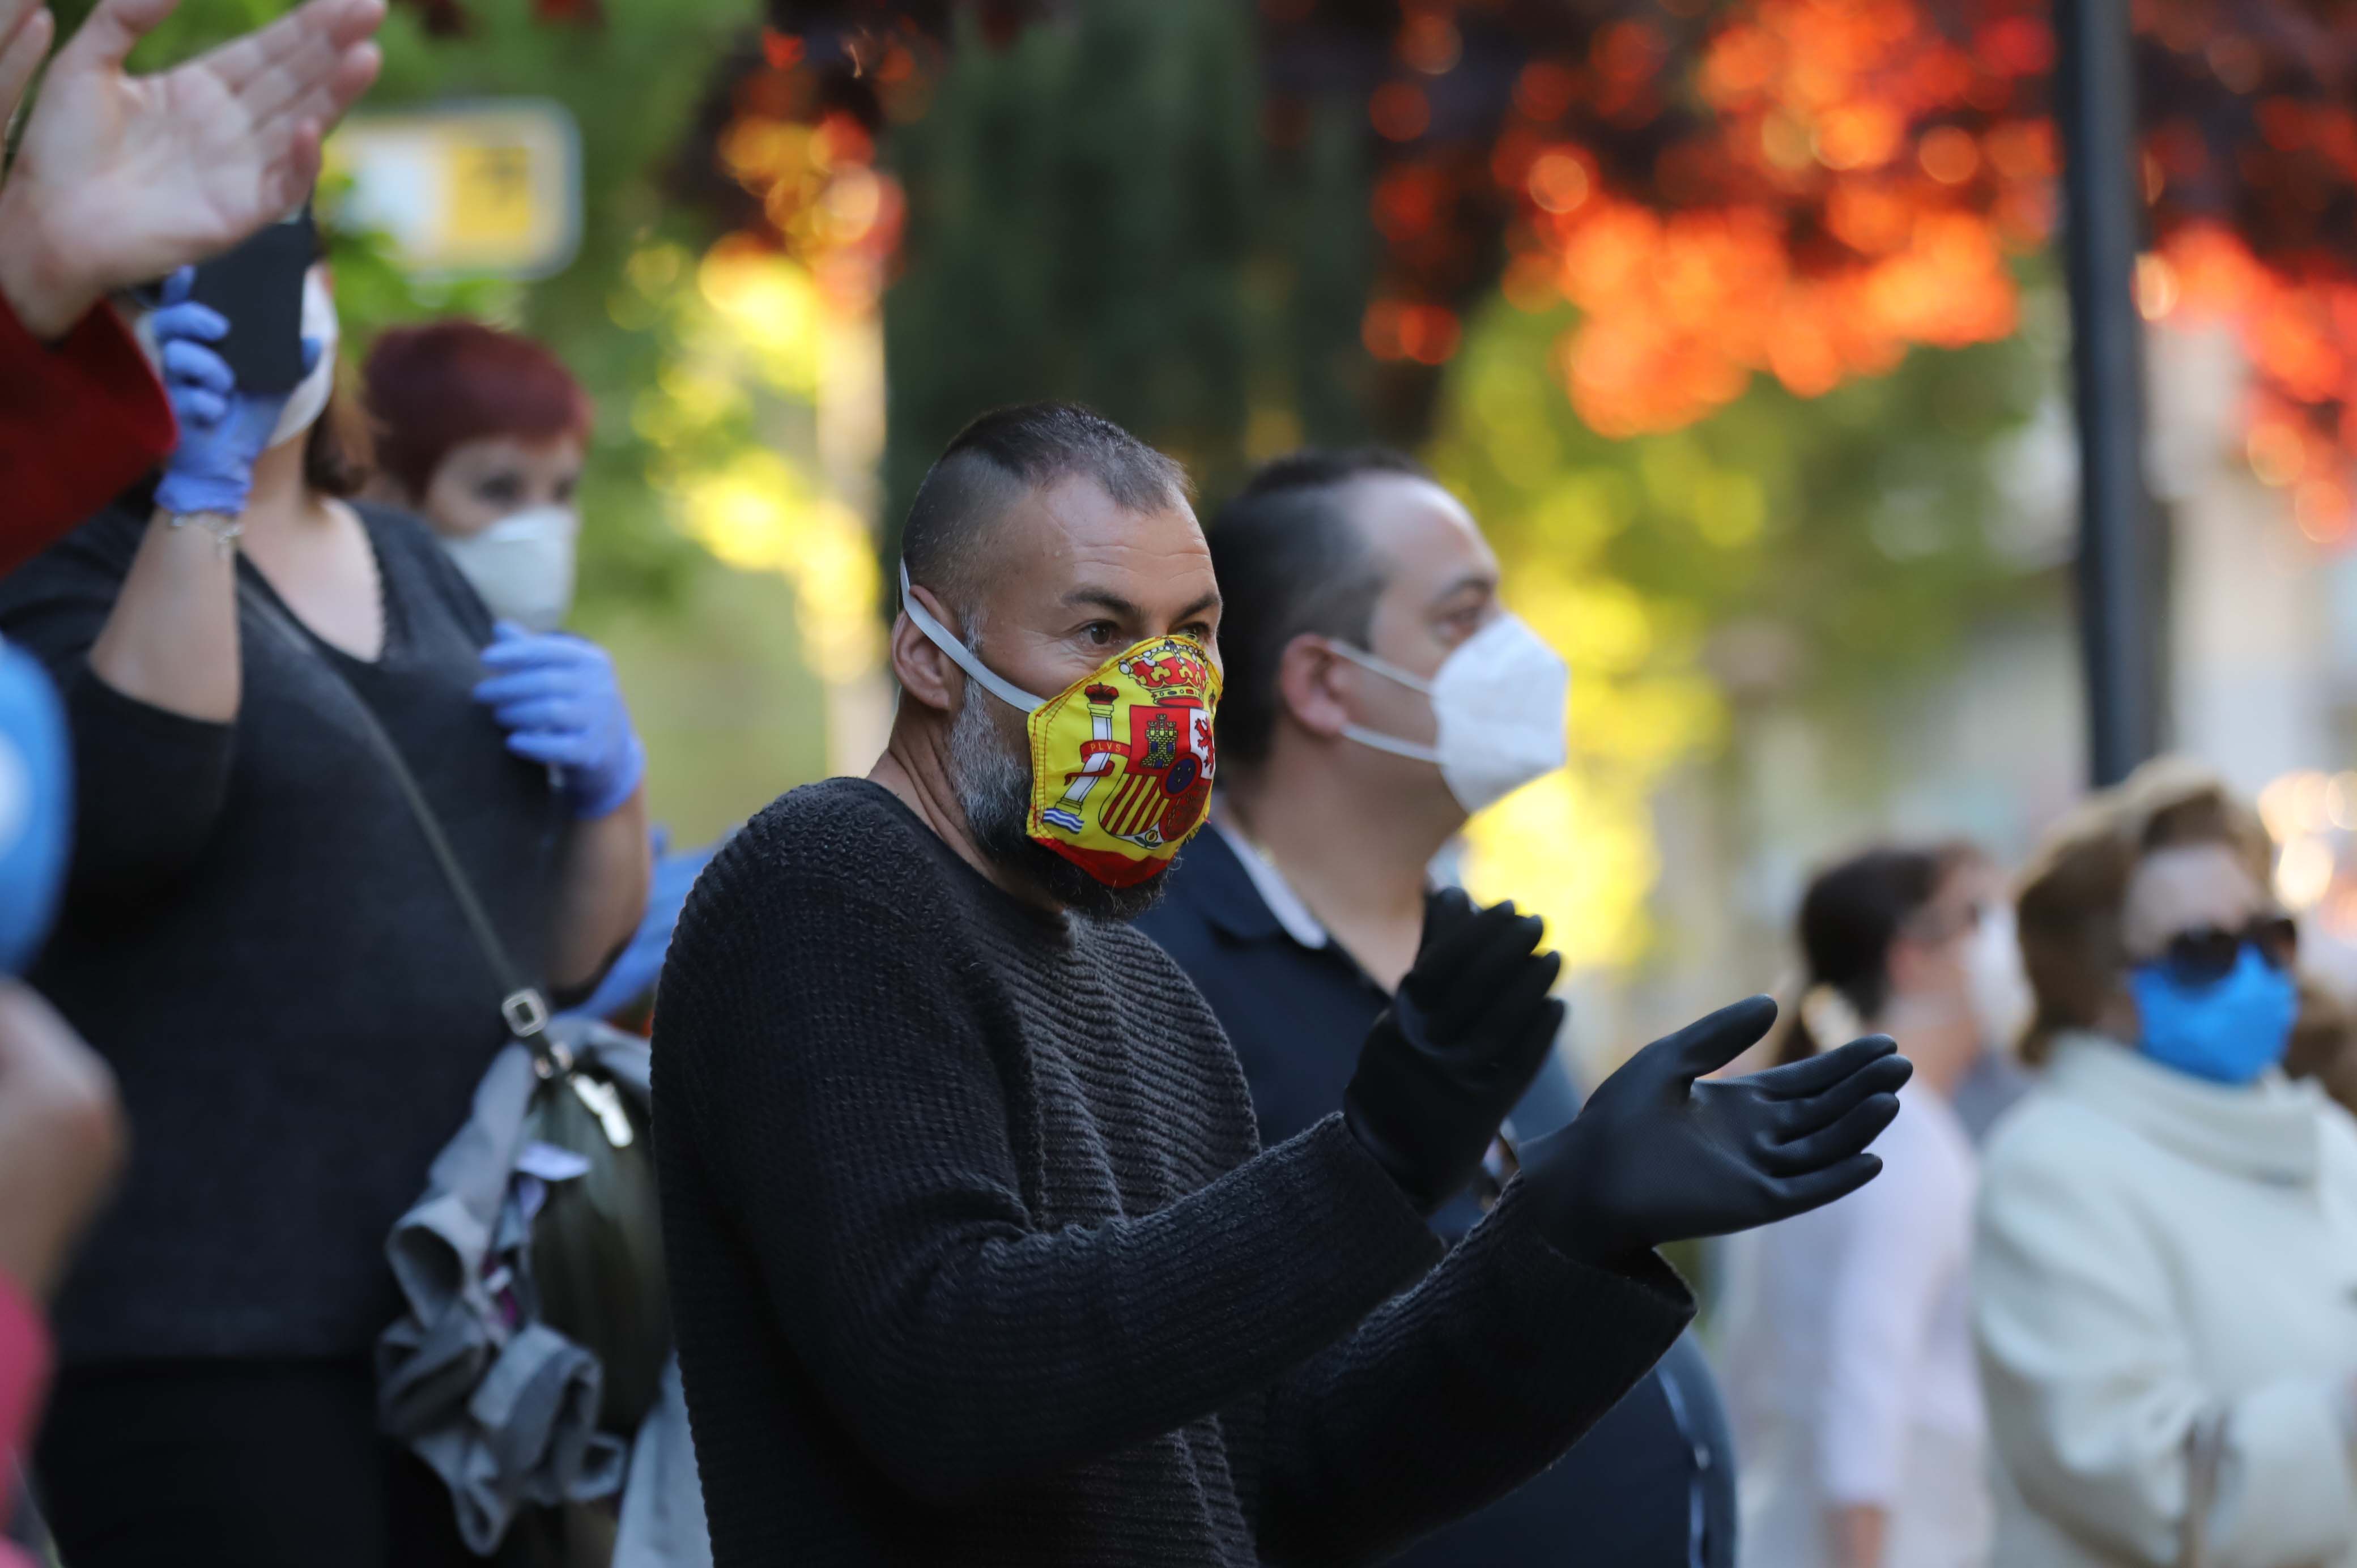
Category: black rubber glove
<point>1655,1155</point>
<point>1458,1044</point>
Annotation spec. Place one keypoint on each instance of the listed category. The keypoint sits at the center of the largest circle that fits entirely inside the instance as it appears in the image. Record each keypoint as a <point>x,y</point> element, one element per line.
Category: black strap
<point>522,1005</point>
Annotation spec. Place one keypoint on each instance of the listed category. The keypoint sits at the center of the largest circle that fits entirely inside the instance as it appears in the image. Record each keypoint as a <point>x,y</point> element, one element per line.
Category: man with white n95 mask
<point>1378,694</point>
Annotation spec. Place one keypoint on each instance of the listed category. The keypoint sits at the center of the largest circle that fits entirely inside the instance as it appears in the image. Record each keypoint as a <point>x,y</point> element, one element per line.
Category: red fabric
<point>24,1374</point>
<point>79,420</point>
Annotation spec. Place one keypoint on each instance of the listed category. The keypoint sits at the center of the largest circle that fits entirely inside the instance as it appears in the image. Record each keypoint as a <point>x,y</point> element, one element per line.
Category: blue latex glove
<point>556,697</point>
<point>223,430</point>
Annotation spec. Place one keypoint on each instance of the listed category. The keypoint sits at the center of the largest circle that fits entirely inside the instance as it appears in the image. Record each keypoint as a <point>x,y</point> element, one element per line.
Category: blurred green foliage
<point>1094,215</point>
<point>1857,523</point>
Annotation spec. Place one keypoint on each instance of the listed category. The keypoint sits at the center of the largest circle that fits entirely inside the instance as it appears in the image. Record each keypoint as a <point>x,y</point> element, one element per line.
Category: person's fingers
<point>523,686</point>
<point>196,406</point>
<point>110,33</point>
<point>1464,942</point>
<point>1459,997</point>
<point>1445,911</point>
<point>266,72</point>
<point>188,319</point>
<point>1880,1075</point>
<point>555,750</point>
<point>1796,1081</point>
<point>551,714</point>
<point>176,285</point>
<point>306,41</point>
<point>1711,1042</point>
<point>25,39</point>
<point>14,14</point>
<point>526,650</point>
<point>1509,1005</point>
<point>1830,1144</point>
<point>192,362</point>
<point>326,99</point>
<point>293,173</point>
<point>1798,1195</point>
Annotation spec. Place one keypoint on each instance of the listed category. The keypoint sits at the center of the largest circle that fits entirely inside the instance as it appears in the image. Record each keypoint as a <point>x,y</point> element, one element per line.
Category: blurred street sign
<point>492,186</point>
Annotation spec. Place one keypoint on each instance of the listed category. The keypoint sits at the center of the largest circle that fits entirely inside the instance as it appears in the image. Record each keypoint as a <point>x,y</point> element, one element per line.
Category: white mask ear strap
<point>1381,667</point>
<point>1389,672</point>
<point>941,637</point>
<point>1390,742</point>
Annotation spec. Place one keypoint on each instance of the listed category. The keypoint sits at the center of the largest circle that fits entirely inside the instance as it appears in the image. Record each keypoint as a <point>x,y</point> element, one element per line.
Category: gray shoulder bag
<point>597,1244</point>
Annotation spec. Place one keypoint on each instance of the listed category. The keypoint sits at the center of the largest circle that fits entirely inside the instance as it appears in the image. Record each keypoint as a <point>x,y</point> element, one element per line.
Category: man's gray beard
<point>993,776</point>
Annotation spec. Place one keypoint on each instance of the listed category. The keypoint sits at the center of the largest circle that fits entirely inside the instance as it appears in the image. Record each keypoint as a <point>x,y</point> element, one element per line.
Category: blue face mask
<point>36,806</point>
<point>2229,1031</point>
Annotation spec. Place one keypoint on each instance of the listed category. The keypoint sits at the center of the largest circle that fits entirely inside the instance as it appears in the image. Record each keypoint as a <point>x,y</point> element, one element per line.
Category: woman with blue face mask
<point>2165,1278</point>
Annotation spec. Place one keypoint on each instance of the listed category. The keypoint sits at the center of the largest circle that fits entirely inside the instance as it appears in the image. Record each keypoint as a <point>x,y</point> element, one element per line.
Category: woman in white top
<point>1849,1362</point>
<point>2165,1278</point>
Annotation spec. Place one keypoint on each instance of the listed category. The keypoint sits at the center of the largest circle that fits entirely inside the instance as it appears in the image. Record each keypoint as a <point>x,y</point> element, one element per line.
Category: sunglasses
<point>2208,954</point>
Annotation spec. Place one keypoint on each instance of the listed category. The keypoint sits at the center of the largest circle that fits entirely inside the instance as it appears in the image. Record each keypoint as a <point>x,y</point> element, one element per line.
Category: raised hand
<point>1458,1047</point>
<point>120,178</point>
<point>1658,1153</point>
<point>557,698</point>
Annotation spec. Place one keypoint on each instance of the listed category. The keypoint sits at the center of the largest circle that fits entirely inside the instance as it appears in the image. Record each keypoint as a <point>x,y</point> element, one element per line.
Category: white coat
<point>2165,1307</point>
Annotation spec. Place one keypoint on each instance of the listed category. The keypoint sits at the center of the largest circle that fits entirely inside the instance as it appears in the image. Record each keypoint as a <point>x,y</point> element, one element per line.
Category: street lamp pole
<point>2117,575</point>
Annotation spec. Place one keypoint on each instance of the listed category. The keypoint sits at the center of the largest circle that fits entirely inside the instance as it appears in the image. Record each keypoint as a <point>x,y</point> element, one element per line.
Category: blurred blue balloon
<point>36,806</point>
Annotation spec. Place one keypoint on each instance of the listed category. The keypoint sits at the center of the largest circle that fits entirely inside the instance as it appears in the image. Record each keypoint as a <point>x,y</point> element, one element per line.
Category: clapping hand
<point>120,178</point>
<point>1459,1043</point>
<point>1662,1154</point>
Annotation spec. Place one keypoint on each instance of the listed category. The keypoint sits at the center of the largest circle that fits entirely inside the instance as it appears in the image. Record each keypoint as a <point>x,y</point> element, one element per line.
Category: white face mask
<point>309,398</point>
<point>1498,700</point>
<point>1999,986</point>
<point>522,566</point>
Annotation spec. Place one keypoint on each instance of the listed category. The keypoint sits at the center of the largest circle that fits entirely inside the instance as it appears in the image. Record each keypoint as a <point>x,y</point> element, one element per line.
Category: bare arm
<point>601,892</point>
<point>171,639</point>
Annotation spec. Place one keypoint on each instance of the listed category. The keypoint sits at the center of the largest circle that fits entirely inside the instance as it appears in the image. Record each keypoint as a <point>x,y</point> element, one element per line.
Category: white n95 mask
<point>309,398</point>
<point>522,566</point>
<point>1498,700</point>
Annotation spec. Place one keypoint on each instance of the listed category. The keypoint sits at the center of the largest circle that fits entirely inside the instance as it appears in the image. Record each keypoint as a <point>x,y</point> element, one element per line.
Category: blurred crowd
<point>329,1216</point>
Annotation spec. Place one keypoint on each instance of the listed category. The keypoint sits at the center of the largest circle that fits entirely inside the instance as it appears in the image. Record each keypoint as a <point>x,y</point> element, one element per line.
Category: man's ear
<point>1310,686</point>
<point>924,671</point>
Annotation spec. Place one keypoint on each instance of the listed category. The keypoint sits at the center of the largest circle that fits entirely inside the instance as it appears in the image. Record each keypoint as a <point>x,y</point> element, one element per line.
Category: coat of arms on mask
<point>1138,738</point>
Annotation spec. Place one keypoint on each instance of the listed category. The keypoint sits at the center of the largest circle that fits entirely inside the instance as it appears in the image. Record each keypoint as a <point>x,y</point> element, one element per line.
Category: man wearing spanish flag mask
<point>975,1256</point>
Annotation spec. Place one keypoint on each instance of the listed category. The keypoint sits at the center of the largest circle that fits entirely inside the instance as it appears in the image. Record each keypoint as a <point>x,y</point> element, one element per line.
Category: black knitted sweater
<point>975,1257</point>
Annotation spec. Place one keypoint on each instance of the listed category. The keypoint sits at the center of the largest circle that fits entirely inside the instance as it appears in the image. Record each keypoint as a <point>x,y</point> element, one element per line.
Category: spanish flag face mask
<point>1121,759</point>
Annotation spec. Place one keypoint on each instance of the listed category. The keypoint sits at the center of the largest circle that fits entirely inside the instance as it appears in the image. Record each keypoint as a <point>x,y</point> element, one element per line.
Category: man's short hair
<point>1007,454</point>
<point>1289,560</point>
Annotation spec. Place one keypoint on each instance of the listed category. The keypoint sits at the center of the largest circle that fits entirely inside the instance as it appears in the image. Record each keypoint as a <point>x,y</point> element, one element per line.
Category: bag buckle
<point>526,1013</point>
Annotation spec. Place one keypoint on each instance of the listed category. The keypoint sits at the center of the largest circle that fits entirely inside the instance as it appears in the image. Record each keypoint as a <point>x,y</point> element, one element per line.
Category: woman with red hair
<point>481,432</point>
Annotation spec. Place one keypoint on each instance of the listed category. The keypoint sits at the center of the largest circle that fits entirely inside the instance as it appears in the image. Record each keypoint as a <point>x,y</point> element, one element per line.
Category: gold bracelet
<point>224,528</point>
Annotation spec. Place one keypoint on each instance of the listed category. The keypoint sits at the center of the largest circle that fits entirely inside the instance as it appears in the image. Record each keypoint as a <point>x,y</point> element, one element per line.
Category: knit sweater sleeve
<point>1454,1393</point>
<point>823,1052</point>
